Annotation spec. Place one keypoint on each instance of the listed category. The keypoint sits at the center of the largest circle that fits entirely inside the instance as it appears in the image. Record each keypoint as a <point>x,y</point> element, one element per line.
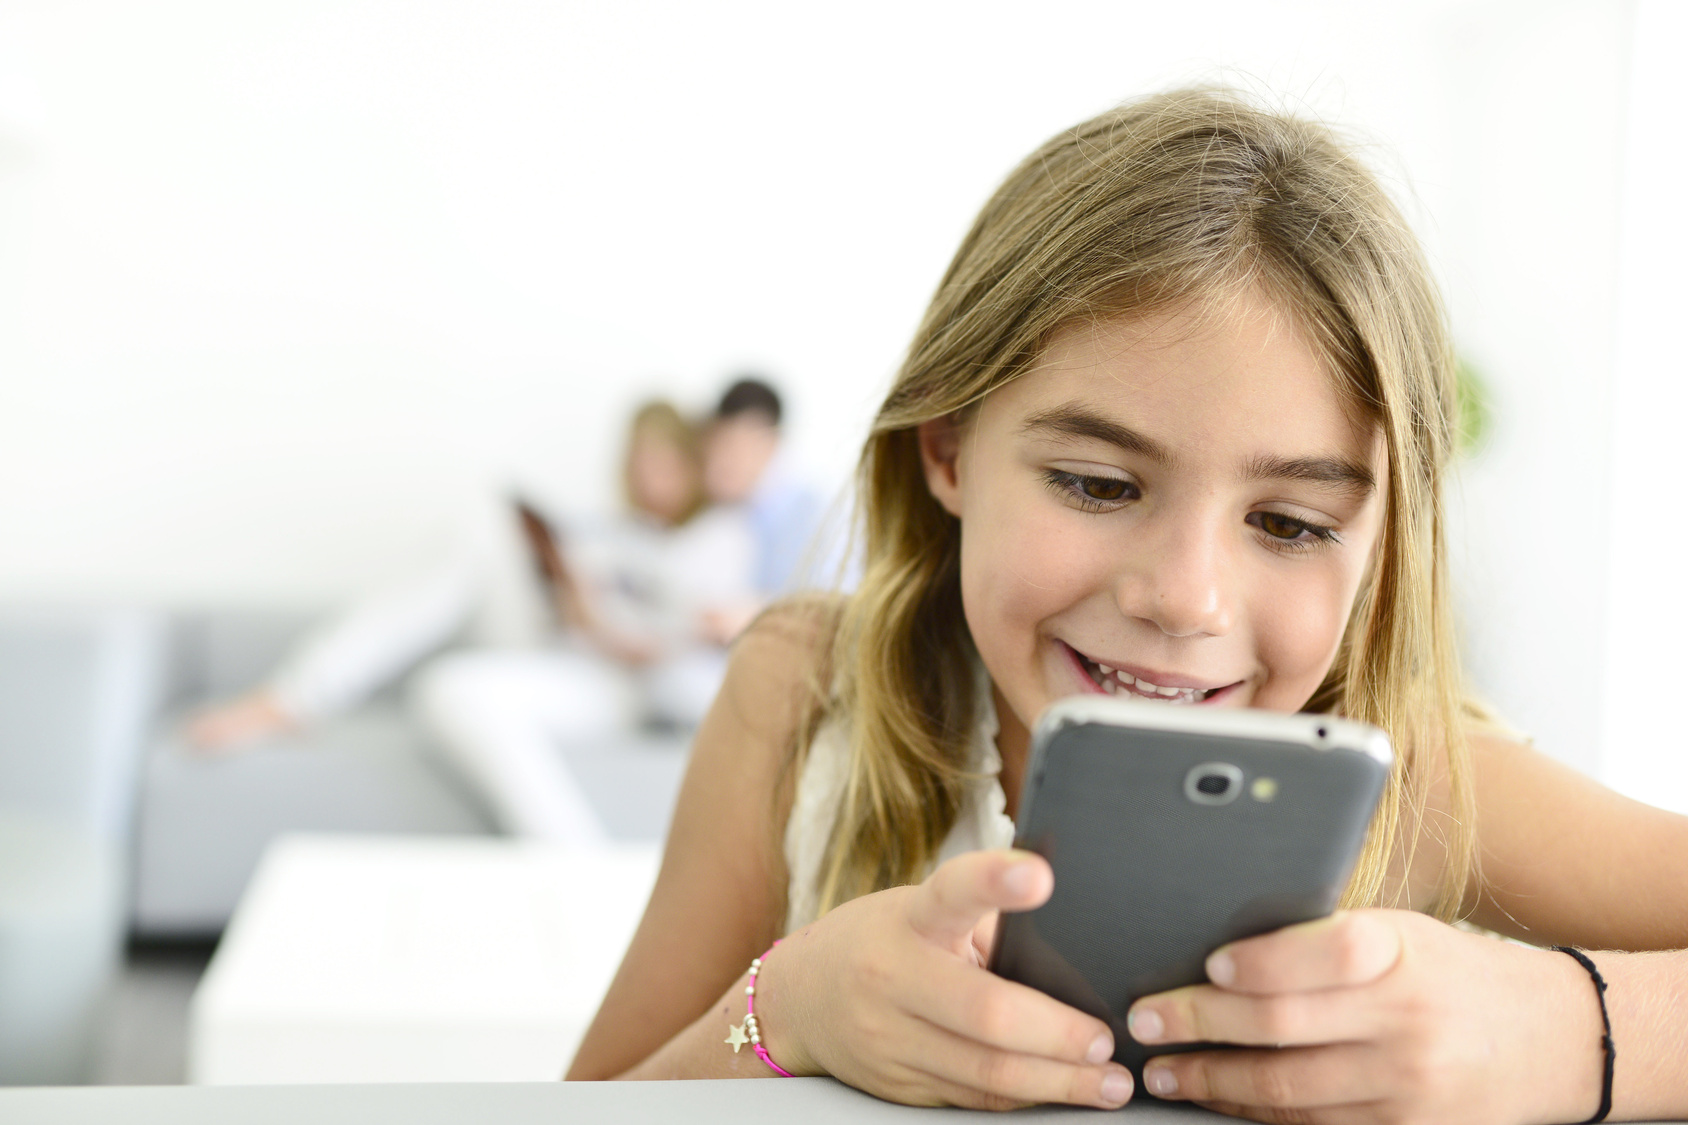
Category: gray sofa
<point>202,822</point>
<point>108,824</point>
<point>78,688</point>
<point>99,742</point>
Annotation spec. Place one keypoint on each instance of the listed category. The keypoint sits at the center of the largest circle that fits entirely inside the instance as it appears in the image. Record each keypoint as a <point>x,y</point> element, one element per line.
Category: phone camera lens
<point>1213,783</point>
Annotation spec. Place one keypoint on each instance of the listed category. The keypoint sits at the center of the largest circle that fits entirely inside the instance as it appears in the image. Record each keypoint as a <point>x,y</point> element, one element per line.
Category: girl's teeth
<point>1115,682</point>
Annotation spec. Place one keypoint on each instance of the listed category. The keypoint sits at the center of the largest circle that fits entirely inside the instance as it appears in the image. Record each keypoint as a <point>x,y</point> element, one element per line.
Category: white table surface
<point>786,1101</point>
<point>377,959</point>
<point>793,1101</point>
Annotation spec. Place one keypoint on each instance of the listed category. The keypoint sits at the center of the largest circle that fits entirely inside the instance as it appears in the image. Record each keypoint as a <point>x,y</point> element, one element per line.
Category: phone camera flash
<point>1263,788</point>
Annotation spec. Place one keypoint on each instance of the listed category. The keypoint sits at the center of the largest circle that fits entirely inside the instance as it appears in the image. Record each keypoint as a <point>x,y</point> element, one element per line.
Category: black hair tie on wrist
<point>1606,1043</point>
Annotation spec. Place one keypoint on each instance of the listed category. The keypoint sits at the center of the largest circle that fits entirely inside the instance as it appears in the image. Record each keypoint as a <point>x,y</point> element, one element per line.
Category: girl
<point>1175,427</point>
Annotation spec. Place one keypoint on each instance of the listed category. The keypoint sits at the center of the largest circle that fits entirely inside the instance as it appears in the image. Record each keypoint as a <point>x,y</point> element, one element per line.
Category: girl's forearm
<point>702,1050</point>
<point>1647,1000</point>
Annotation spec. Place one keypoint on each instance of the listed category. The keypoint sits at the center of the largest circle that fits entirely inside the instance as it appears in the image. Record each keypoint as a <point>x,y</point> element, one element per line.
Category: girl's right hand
<point>890,993</point>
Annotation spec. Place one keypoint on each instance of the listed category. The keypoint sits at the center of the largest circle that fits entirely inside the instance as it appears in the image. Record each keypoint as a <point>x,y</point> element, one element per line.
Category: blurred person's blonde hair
<point>662,420</point>
<point>1179,200</point>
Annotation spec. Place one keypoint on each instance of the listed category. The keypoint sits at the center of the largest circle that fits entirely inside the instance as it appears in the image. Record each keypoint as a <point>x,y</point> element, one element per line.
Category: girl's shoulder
<point>779,672</point>
<point>794,636</point>
<point>810,618</point>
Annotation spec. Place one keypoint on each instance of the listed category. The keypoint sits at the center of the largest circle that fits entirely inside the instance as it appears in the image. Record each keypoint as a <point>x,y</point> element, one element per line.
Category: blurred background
<point>285,288</point>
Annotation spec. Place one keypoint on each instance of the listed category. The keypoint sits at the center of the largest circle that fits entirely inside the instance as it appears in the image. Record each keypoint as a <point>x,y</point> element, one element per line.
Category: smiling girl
<point>1175,428</point>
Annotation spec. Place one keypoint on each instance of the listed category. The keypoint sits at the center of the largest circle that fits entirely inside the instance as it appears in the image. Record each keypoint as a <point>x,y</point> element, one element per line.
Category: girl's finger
<point>1205,1014</point>
<point>987,1009</point>
<point>949,904</point>
<point>1299,1078</point>
<point>984,936</point>
<point>998,1079</point>
<point>1348,948</point>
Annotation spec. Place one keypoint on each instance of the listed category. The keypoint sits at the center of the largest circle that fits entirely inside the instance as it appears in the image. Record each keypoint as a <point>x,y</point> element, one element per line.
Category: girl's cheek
<point>1019,568</point>
<point>1044,556</point>
<point>1299,627</point>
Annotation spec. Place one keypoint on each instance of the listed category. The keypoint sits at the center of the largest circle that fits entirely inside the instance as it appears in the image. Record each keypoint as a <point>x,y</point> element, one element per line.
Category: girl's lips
<point>1098,678</point>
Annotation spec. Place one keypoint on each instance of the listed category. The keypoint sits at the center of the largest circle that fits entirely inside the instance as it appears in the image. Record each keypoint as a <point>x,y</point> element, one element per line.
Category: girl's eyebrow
<point>1074,421</point>
<point>1071,421</point>
<point>1340,473</point>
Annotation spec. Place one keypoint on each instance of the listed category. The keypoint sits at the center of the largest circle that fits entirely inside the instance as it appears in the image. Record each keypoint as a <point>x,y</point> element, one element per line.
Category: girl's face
<point>1162,509</point>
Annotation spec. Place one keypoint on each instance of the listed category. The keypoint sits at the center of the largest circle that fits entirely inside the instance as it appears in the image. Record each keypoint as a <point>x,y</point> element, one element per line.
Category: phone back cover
<point>1148,882</point>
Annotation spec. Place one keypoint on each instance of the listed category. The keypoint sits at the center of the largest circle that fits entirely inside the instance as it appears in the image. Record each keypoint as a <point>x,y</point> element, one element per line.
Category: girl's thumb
<point>949,904</point>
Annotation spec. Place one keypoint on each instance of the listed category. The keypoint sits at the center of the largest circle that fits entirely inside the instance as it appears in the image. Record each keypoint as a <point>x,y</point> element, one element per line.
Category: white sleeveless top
<point>981,822</point>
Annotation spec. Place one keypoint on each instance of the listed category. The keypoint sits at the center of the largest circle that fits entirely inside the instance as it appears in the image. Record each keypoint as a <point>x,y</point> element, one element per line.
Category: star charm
<point>736,1037</point>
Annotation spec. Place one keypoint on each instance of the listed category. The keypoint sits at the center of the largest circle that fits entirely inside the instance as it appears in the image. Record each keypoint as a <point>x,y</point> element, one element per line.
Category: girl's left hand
<point>1381,1016</point>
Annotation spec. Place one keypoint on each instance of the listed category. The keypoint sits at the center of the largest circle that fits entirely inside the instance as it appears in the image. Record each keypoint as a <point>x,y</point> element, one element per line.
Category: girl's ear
<point>940,451</point>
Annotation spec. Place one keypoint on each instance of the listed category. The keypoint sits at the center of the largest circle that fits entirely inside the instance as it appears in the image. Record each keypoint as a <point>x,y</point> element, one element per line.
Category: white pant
<point>501,716</point>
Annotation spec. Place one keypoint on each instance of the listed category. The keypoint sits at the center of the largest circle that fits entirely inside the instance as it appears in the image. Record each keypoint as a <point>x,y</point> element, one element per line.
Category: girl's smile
<point>1134,682</point>
<point>1176,508</point>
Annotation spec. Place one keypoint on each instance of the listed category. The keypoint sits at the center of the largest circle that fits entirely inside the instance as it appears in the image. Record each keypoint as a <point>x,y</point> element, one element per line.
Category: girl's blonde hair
<point>1180,199</point>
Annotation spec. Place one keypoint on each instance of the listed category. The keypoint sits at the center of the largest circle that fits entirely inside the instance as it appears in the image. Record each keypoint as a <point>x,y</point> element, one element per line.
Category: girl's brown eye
<point>1103,488</point>
<point>1280,527</point>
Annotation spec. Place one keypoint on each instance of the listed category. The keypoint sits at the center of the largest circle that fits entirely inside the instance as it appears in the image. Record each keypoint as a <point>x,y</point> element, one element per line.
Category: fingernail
<point>1017,880</point>
<point>1160,1081</point>
<point>1145,1025</point>
<point>1101,1049</point>
<point>1116,1087</point>
<point>1220,968</point>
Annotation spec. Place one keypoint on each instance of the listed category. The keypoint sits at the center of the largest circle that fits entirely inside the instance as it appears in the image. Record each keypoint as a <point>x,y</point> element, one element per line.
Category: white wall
<point>1534,110</point>
<point>280,281</point>
<point>1645,747</point>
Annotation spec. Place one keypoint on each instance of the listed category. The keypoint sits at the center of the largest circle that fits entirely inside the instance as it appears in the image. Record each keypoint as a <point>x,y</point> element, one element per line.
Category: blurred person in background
<point>747,468</point>
<point>619,631</point>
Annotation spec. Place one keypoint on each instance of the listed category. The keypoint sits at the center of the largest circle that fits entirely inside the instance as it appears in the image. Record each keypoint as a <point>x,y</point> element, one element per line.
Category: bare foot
<point>237,724</point>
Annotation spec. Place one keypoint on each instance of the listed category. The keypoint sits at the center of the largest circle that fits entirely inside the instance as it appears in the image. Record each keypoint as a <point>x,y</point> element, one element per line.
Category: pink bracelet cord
<point>750,1017</point>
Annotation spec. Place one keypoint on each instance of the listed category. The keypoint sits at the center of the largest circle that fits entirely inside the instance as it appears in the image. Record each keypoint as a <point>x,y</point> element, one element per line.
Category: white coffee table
<point>415,959</point>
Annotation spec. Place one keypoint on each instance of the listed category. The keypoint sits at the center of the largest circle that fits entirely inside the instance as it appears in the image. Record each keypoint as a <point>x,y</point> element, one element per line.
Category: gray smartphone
<point>1173,830</point>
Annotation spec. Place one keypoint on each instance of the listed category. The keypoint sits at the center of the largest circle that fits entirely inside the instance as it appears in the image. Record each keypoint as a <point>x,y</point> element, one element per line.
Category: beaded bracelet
<point>1606,1043</point>
<point>749,1031</point>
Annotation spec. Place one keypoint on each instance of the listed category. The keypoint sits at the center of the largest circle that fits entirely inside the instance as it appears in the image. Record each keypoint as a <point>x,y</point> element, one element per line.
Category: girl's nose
<point>1179,582</point>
